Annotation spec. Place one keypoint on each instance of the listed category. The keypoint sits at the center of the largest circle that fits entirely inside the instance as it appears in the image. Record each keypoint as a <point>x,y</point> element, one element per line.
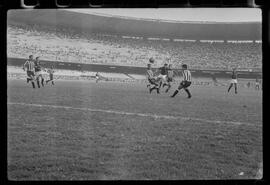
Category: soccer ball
<point>151,60</point>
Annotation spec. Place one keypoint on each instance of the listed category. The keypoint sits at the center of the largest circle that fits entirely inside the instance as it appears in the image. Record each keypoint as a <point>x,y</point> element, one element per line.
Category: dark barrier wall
<point>128,70</point>
<point>144,28</point>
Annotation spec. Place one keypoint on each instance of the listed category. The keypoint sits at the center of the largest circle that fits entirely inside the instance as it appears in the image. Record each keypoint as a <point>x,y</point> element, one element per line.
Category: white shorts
<point>234,81</point>
<point>163,77</point>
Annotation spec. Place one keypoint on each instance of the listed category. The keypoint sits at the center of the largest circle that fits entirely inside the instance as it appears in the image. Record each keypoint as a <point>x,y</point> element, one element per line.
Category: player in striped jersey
<point>29,65</point>
<point>151,79</point>
<point>185,83</point>
<point>233,81</point>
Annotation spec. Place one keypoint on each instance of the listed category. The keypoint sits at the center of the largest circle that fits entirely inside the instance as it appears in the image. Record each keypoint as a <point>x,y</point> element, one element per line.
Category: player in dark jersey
<point>29,66</point>
<point>185,83</point>
<point>50,71</point>
<point>169,79</point>
<point>163,71</point>
<point>38,72</point>
<point>233,81</point>
<point>151,79</point>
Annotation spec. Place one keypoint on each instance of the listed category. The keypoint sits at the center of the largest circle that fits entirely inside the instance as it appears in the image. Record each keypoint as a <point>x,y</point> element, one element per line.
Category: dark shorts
<point>30,74</point>
<point>169,79</point>
<point>185,84</point>
<point>152,81</point>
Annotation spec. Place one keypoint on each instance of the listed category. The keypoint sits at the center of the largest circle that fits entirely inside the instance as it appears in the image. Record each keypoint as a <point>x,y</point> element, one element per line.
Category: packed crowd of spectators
<point>67,45</point>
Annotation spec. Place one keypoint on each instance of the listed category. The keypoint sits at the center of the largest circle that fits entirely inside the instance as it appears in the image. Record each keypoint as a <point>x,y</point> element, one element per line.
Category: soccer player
<point>30,70</point>
<point>151,79</point>
<point>38,72</point>
<point>233,81</point>
<point>248,85</point>
<point>97,77</point>
<point>163,74</point>
<point>169,78</point>
<point>186,81</point>
<point>50,71</point>
<point>257,84</point>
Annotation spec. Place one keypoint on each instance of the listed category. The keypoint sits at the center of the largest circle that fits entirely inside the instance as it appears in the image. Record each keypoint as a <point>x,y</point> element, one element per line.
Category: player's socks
<point>175,92</point>
<point>42,82</point>
<point>33,84</point>
<point>230,88</point>
<point>38,84</point>
<point>158,90</point>
<point>167,90</point>
<point>187,91</point>
<point>28,79</point>
<point>151,89</point>
<point>53,82</point>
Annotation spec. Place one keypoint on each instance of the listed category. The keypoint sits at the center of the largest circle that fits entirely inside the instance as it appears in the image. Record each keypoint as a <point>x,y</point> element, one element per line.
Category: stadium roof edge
<point>164,20</point>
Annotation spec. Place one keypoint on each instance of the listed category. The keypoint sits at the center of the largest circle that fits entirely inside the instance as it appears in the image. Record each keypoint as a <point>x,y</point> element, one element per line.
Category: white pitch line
<point>135,114</point>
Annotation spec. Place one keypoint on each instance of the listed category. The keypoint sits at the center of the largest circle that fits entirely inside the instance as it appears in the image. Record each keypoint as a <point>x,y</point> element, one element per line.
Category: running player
<point>151,79</point>
<point>169,79</point>
<point>233,81</point>
<point>185,83</point>
<point>30,70</point>
<point>38,72</point>
<point>50,71</point>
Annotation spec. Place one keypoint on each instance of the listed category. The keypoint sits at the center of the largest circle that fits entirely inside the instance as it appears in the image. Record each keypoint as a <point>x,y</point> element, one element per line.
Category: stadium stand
<point>75,45</point>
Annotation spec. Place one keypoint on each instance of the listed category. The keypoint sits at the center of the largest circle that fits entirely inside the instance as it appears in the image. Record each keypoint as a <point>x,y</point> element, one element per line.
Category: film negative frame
<point>59,4</point>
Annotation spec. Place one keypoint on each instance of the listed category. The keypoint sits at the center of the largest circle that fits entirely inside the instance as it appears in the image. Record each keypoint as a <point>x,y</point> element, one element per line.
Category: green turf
<point>66,144</point>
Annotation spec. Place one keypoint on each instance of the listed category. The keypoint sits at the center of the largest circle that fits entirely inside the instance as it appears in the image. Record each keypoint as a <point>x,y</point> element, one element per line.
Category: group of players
<point>34,72</point>
<point>164,76</point>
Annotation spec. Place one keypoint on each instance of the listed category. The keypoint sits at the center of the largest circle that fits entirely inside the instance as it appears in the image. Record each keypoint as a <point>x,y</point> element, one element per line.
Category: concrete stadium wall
<point>18,62</point>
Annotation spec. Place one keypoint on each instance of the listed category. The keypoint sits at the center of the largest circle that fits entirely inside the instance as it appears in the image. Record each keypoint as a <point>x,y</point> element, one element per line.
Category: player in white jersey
<point>185,83</point>
<point>154,81</point>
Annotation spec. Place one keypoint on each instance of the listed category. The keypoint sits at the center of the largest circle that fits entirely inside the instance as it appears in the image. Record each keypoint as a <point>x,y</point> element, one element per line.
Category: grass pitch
<point>80,130</point>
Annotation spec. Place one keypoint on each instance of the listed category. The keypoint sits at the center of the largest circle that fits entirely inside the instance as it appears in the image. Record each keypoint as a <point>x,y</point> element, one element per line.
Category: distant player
<point>233,81</point>
<point>29,66</point>
<point>214,79</point>
<point>186,81</point>
<point>50,71</point>
<point>257,84</point>
<point>97,77</point>
<point>38,72</point>
<point>151,79</point>
<point>248,85</point>
<point>169,79</point>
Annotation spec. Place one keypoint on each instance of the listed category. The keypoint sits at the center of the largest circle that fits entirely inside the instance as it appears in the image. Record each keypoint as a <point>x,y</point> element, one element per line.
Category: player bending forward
<point>50,71</point>
<point>185,83</point>
<point>151,79</point>
<point>29,65</point>
<point>233,81</point>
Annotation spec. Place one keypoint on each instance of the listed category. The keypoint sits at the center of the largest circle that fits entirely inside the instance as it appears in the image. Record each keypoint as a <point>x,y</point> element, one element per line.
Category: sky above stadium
<point>183,14</point>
